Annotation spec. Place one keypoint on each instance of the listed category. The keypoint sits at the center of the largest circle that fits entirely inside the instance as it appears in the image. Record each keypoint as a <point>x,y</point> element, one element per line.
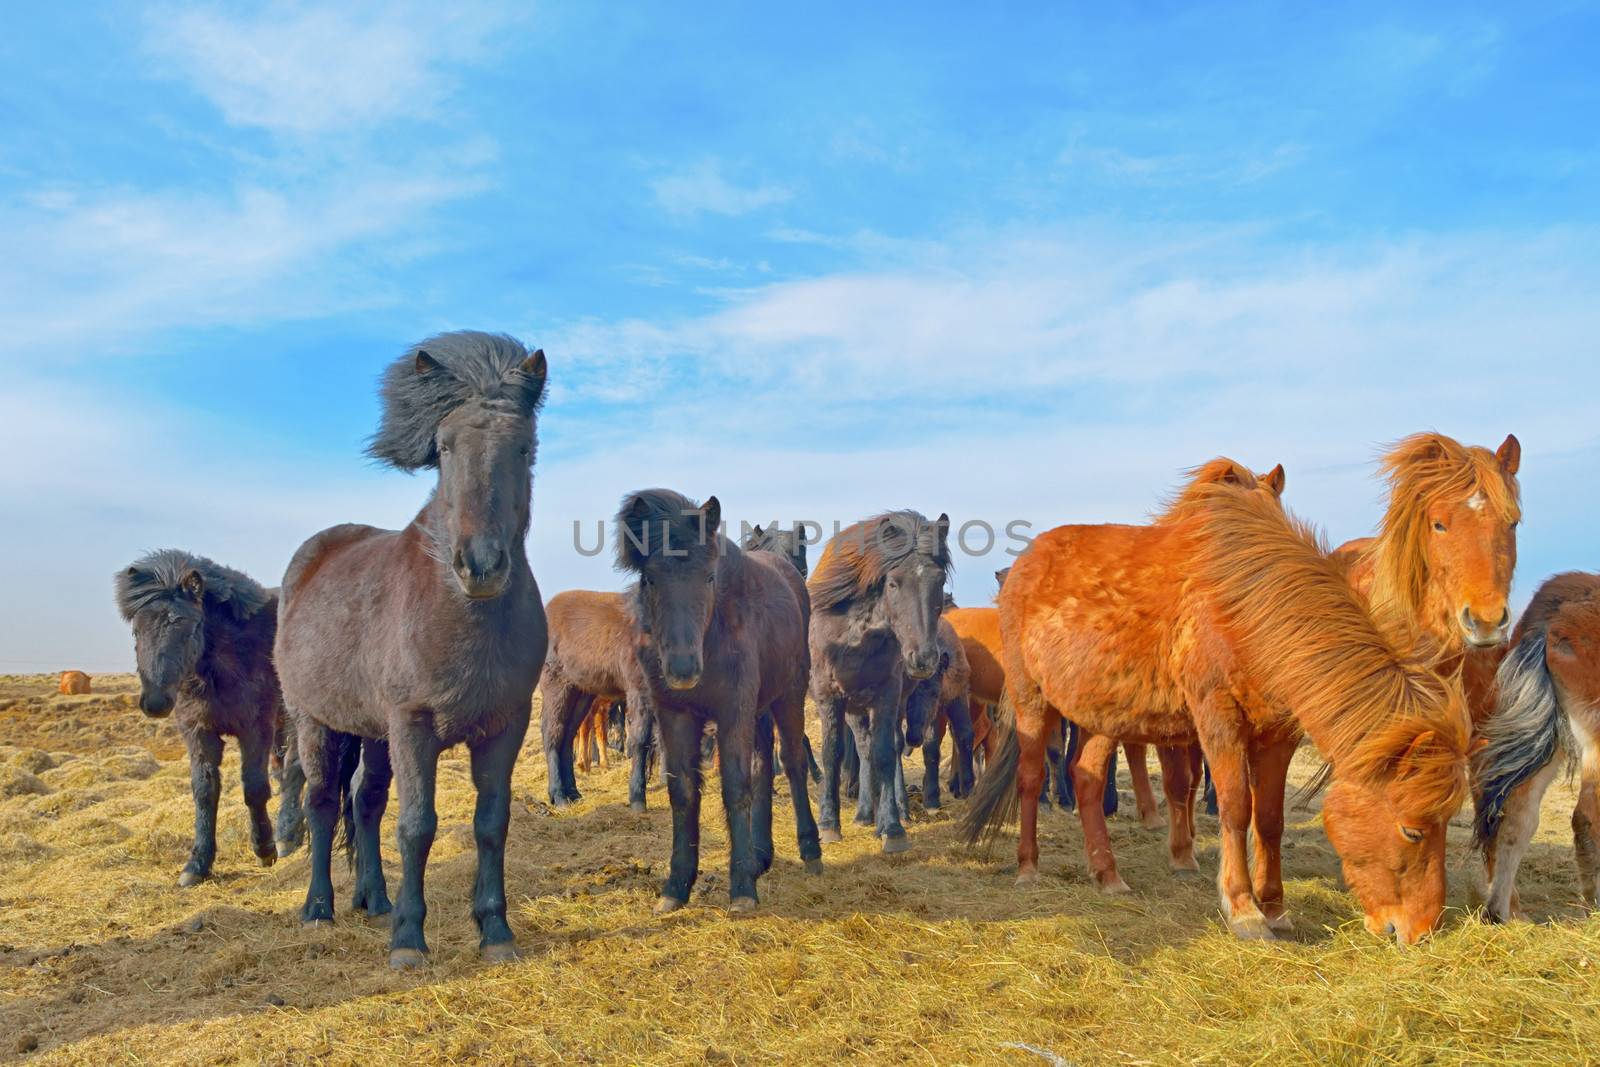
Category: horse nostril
<point>1505,619</point>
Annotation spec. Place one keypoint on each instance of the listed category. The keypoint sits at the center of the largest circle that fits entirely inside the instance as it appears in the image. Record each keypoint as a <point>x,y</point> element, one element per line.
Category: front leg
<point>761,775</point>
<point>641,723</point>
<point>884,760</point>
<point>1217,717</point>
<point>681,732</point>
<point>1269,772</point>
<point>255,755</point>
<point>735,746</point>
<point>866,797</point>
<point>959,715</point>
<point>930,766</point>
<point>369,797</point>
<point>493,760</point>
<point>205,781</point>
<point>414,754</point>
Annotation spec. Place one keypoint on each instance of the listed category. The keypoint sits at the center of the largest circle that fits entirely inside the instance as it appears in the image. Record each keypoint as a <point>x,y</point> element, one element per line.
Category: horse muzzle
<point>482,568</point>
<point>156,704</point>
<point>920,665</point>
<point>1479,634</point>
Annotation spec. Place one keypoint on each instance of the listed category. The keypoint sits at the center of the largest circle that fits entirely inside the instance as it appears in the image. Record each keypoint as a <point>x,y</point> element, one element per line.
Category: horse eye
<point>1439,527</point>
<point>644,579</point>
<point>710,578</point>
<point>1412,834</point>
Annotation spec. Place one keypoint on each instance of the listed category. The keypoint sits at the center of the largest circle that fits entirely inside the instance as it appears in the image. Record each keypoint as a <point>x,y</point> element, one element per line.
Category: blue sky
<point>820,261</point>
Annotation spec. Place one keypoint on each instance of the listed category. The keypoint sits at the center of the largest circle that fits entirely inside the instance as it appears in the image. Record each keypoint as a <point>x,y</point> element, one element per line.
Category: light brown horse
<point>1202,627</point>
<point>73,684</point>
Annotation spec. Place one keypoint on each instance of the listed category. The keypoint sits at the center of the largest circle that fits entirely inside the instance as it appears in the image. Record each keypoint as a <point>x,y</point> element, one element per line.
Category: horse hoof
<point>1114,887</point>
<point>637,807</point>
<point>814,866</point>
<point>189,879</point>
<point>268,859</point>
<point>315,924</point>
<point>1028,878</point>
<point>896,843</point>
<point>286,849</point>
<point>829,836</point>
<point>1186,871</point>
<point>667,905</point>
<point>931,805</point>
<point>1252,928</point>
<point>504,952</point>
<point>742,905</point>
<point>407,959</point>
<point>1154,822</point>
<point>863,821</point>
<point>1280,923</point>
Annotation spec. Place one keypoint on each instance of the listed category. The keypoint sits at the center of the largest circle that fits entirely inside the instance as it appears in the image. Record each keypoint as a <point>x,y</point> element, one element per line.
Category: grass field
<point>930,957</point>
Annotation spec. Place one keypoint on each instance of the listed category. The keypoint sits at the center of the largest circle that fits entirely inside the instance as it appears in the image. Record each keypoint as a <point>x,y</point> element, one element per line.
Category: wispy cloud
<point>305,69</point>
<point>702,189</point>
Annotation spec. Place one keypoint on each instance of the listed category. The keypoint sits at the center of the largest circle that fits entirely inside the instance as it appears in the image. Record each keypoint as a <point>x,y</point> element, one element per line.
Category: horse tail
<point>1526,731</point>
<point>994,802</point>
<point>349,764</point>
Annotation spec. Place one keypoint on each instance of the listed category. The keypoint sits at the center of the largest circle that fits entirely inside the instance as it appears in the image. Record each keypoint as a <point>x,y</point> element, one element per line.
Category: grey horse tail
<point>1526,731</point>
<point>995,802</point>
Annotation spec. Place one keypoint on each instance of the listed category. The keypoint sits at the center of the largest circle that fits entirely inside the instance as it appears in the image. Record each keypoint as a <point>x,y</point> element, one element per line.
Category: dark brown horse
<point>786,543</point>
<point>941,702</point>
<point>876,596</point>
<point>593,656</point>
<point>419,639</point>
<point>723,640</point>
<point>202,634</point>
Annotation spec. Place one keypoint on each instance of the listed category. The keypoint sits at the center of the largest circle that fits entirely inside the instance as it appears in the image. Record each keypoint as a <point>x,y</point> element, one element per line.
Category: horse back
<point>592,641</point>
<point>312,556</point>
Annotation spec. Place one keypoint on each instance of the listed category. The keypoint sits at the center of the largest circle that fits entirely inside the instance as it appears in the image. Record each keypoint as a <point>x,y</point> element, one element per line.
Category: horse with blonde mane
<point>1218,616</point>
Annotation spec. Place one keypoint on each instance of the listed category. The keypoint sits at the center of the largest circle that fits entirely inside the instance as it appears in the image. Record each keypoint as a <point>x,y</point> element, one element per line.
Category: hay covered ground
<point>931,957</point>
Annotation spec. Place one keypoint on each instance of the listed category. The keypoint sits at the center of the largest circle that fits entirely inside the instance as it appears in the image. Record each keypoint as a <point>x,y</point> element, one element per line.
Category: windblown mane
<point>1422,470</point>
<point>854,563</point>
<point>651,520</point>
<point>1314,649</point>
<point>470,366</point>
<point>785,543</point>
<point>158,577</point>
<point>1219,471</point>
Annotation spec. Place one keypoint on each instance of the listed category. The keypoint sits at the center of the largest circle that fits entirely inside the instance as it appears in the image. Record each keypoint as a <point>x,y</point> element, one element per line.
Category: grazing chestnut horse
<point>202,635</point>
<point>593,661</point>
<point>1222,614</point>
<point>411,641</point>
<point>1548,713</point>
<point>722,639</point>
<point>875,597</point>
<point>73,684</point>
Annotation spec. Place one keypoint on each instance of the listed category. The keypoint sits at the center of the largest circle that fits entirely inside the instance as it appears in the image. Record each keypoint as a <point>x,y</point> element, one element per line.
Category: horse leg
<point>321,752</point>
<point>1035,722</point>
<point>205,781</point>
<point>1178,784</point>
<point>789,716</point>
<point>414,755</point>
<point>866,793</point>
<point>1269,771</point>
<point>255,753</point>
<point>1088,776</point>
<point>599,721</point>
<point>1110,798</point>
<point>1144,796</point>
<point>930,764</point>
<point>583,741</point>
<point>559,726</point>
<point>681,732</point>
<point>735,744</point>
<point>879,763</point>
<point>1586,836</point>
<point>761,794</point>
<point>291,828</point>
<point>1068,743</point>
<point>641,727</point>
<point>852,770</point>
<point>493,760</point>
<point>1519,821</point>
<point>1210,790</point>
<point>813,768</point>
<point>960,719</point>
<point>902,798</point>
<point>1229,772</point>
<point>369,798</point>
<point>831,712</point>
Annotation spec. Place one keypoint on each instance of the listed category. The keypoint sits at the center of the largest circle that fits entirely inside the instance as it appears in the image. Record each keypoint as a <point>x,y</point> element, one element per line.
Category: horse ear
<point>1509,454</point>
<point>1274,480</point>
<point>757,531</point>
<point>193,584</point>
<point>426,364</point>
<point>1406,766</point>
<point>942,523</point>
<point>712,513</point>
<point>537,370</point>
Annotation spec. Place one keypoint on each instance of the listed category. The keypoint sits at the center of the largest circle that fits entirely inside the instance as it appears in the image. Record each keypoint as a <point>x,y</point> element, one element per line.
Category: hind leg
<point>960,719</point>
<point>255,755</point>
<point>1088,778</point>
<point>559,726</point>
<point>1586,838</point>
<point>866,802</point>
<point>1036,723</point>
<point>1178,785</point>
<point>291,828</point>
<point>369,797</point>
<point>1144,796</point>
<point>789,716</point>
<point>761,794</point>
<point>834,741</point>
<point>205,782</point>
<point>640,739</point>
<point>852,770</point>
<point>930,764</point>
<point>493,760</point>
<point>321,752</point>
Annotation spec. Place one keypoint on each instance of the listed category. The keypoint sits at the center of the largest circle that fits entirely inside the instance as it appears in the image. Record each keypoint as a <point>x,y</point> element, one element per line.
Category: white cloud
<point>702,189</point>
<point>308,69</point>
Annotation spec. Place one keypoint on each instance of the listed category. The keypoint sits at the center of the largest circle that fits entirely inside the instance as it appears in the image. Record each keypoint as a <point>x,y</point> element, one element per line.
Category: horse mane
<point>158,577</point>
<point>854,563</point>
<point>1219,471</point>
<point>1421,470</point>
<point>644,513</point>
<point>466,366</point>
<point>1380,717</point>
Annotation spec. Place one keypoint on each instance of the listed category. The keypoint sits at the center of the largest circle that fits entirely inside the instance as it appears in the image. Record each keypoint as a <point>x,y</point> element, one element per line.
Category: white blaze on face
<point>1475,501</point>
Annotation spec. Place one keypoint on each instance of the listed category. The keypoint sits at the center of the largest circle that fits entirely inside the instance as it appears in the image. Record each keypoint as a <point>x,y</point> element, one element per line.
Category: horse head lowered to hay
<point>876,596</point>
<point>722,640</point>
<point>202,636</point>
<point>1270,623</point>
<point>411,641</point>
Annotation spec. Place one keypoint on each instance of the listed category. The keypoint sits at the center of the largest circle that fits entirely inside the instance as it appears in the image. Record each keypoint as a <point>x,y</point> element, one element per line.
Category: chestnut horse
<point>73,684</point>
<point>722,639</point>
<point>876,596</point>
<point>593,661</point>
<point>412,641</point>
<point>1225,612</point>
<point>1548,713</point>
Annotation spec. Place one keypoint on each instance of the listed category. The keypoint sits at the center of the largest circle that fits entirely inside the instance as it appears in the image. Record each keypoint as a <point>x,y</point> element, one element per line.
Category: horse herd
<point>1222,632</point>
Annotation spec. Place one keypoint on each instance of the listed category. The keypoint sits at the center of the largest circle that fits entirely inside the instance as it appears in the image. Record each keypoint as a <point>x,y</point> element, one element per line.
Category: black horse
<point>722,640</point>
<point>419,639</point>
<point>202,634</point>
<point>876,596</point>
